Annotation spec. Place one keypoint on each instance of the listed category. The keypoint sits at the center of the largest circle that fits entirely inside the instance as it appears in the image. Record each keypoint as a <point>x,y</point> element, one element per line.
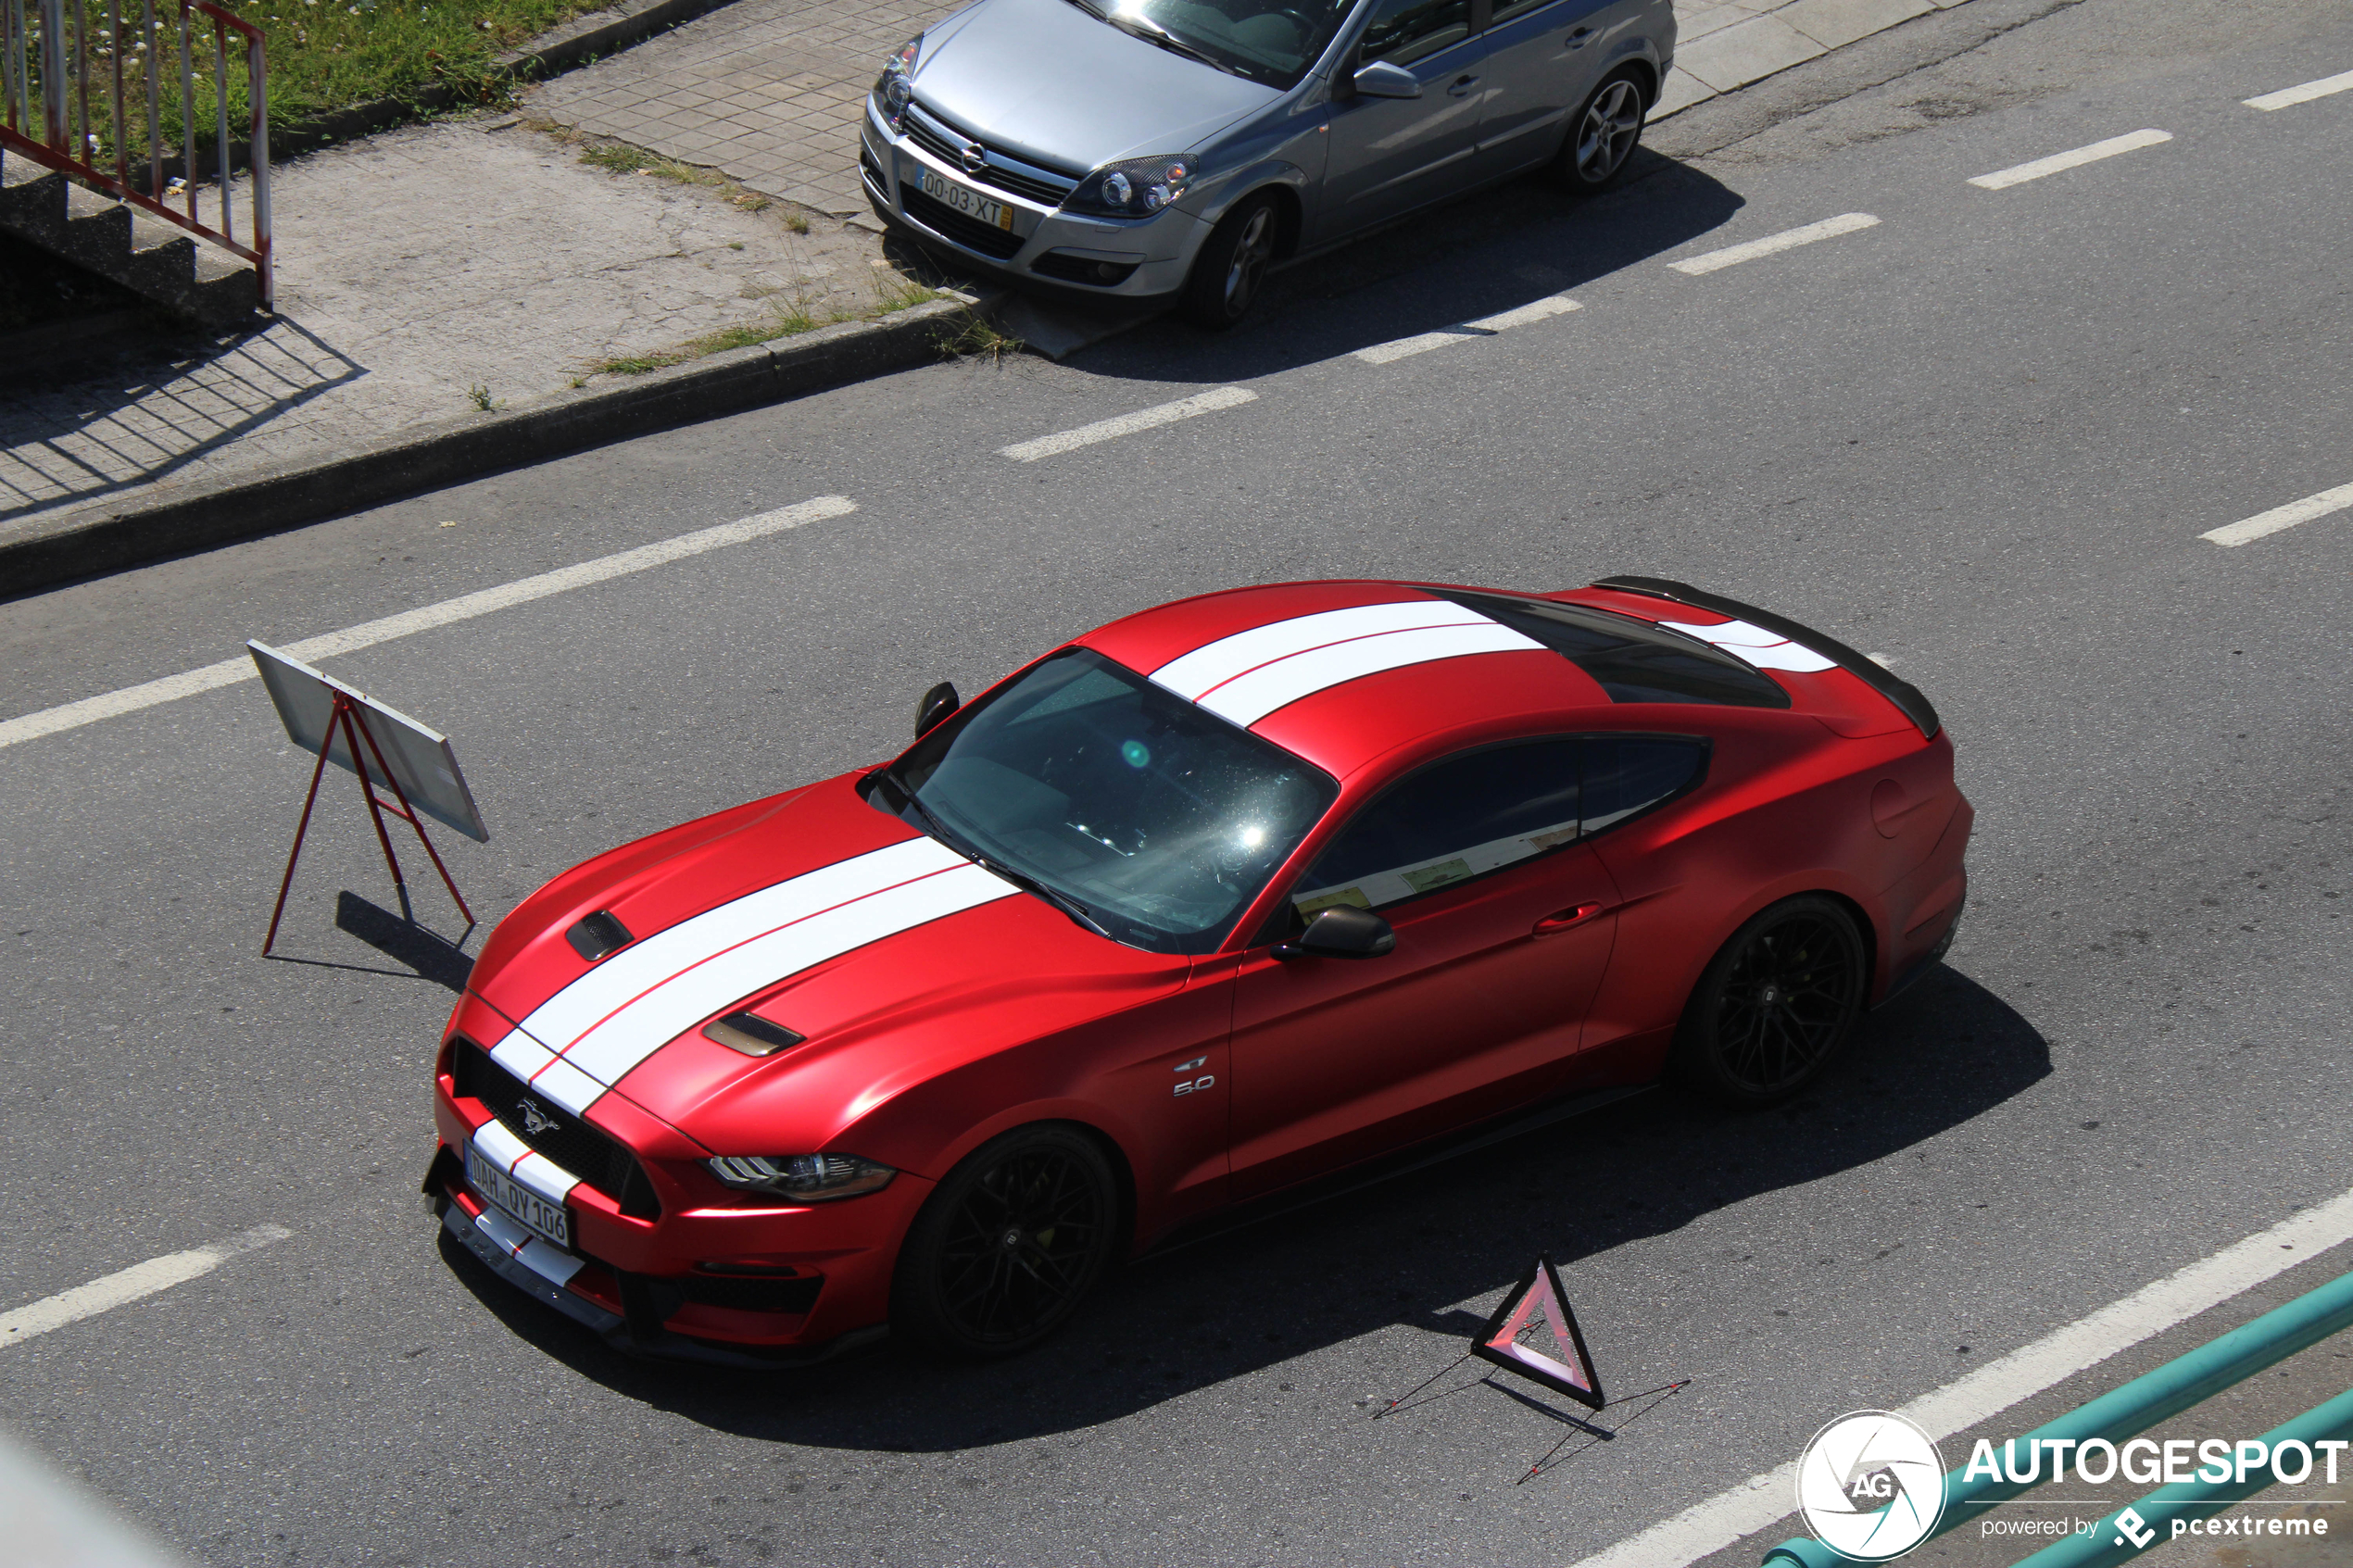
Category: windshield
<point>1160,818</point>
<point>1269,41</point>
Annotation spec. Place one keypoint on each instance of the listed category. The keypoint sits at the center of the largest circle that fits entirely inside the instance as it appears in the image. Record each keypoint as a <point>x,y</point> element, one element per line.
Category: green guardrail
<point>2136,1407</point>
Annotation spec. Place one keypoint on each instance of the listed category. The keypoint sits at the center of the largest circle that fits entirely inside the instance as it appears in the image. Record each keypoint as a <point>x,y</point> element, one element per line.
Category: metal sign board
<point>427,768</point>
<point>1559,1360</point>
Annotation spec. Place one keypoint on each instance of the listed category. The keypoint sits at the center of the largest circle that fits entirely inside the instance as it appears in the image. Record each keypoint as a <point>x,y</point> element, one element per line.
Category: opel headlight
<point>804,1178</point>
<point>896,84</point>
<point>1135,187</point>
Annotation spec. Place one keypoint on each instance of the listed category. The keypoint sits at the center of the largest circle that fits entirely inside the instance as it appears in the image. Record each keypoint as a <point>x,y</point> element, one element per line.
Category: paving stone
<point>1746,51</point>
<point>1834,23</point>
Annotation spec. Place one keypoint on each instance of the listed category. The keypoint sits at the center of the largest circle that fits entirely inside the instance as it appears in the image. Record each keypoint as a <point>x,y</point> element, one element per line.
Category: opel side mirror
<point>1382,79</point>
<point>936,704</point>
<point>1341,932</point>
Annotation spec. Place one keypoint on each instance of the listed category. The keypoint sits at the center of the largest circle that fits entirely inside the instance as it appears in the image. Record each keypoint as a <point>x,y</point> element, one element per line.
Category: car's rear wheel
<point>1004,1250</point>
<point>1602,135</point>
<point>1774,1004</point>
<point>1232,265</point>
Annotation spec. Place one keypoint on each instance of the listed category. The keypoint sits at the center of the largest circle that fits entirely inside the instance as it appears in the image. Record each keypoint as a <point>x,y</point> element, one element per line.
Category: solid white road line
<point>229,671</point>
<point>1720,1520</point>
<point>2021,173</point>
<point>1486,326</point>
<point>2287,97</point>
<point>2255,527</point>
<point>1788,239</point>
<point>1127,424</point>
<point>129,1284</point>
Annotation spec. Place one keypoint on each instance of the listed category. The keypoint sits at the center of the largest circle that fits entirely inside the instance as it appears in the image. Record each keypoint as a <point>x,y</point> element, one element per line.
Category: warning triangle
<point>1514,1338</point>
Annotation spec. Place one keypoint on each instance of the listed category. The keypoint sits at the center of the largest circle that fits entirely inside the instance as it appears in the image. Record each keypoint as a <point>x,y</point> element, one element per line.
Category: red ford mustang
<point>1217,899</point>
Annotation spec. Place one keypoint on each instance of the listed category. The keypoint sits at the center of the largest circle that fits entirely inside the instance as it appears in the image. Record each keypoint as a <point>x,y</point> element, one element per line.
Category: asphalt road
<point>1980,438</point>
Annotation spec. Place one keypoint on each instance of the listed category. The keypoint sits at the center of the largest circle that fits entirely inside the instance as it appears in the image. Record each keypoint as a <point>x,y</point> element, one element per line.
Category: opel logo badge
<point>975,157</point>
<point>535,1121</point>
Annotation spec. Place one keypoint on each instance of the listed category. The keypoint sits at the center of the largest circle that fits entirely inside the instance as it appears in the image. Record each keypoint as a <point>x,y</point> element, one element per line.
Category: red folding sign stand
<point>354,734</point>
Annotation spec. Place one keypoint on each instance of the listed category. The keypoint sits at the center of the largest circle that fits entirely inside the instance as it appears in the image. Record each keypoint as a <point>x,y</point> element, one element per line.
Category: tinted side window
<point>1404,30</point>
<point>1506,10</point>
<point>1448,824</point>
<point>1626,774</point>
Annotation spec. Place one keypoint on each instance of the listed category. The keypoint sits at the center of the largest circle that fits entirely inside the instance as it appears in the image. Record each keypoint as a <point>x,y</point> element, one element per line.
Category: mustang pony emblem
<point>535,1121</point>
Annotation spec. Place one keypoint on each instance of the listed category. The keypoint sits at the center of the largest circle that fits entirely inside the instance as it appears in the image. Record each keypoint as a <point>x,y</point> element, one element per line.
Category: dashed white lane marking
<point>1712,1525</point>
<point>129,1285</point>
<point>2289,97</point>
<point>229,671</point>
<point>2018,174</point>
<point>1486,326</point>
<point>1127,424</point>
<point>2255,527</point>
<point>1788,239</point>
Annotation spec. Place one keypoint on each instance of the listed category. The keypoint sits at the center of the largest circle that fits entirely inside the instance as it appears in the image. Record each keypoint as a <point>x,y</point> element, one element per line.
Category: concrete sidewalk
<point>474,263</point>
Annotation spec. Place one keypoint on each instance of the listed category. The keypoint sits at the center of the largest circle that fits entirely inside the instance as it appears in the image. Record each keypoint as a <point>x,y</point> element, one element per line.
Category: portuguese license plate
<point>550,1221</point>
<point>971,203</point>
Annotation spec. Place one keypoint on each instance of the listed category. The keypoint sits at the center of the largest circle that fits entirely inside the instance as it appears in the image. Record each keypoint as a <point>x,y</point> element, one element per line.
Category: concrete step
<point>152,258</point>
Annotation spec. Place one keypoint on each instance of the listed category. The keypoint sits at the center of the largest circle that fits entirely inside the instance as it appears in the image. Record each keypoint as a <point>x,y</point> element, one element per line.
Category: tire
<point>1602,135</point>
<point>1003,1252</point>
<point>1231,266</point>
<point>1775,1005</point>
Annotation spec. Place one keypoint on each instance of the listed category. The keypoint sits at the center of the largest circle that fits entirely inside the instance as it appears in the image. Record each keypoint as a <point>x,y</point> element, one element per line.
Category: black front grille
<point>943,220</point>
<point>949,148</point>
<point>750,1295</point>
<point>1079,269</point>
<point>568,1141</point>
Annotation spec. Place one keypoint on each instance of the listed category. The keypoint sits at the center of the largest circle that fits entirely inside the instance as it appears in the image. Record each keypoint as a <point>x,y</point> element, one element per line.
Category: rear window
<point>1631,660</point>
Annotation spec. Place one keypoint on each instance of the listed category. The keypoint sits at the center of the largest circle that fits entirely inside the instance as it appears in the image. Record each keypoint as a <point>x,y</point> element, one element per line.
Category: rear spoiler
<point>1903,694</point>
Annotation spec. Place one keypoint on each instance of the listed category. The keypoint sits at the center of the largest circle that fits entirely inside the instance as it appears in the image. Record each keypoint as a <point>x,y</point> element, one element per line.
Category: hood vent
<point>593,937</point>
<point>747,1031</point>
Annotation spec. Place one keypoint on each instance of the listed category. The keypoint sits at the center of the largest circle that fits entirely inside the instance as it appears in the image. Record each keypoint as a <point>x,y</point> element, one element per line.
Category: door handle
<point>1461,85</point>
<point>1578,39</point>
<point>1566,920</point>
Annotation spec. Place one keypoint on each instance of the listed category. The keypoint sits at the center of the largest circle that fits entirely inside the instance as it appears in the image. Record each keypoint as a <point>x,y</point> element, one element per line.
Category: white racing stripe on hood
<point>588,1036</point>
<point>1754,645</point>
<point>1245,677</point>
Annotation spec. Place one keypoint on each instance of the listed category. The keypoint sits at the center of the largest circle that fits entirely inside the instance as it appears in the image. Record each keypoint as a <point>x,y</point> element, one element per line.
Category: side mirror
<point>1343,85</point>
<point>1382,79</point>
<point>1341,932</point>
<point>936,705</point>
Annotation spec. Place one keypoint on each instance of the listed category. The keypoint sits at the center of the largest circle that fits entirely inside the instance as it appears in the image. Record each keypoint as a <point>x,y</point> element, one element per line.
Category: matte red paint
<point>922,1047</point>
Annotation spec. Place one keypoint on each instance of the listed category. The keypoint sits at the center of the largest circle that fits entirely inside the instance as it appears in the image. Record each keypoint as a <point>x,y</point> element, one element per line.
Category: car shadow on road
<point>1478,258</point>
<point>1408,1251</point>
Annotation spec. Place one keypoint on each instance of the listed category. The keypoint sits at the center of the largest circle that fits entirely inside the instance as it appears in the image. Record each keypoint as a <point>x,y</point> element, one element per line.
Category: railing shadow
<point>73,437</point>
<point>1404,1252</point>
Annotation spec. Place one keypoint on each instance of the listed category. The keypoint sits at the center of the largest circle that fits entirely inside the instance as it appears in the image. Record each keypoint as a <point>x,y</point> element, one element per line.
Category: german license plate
<point>969,202</point>
<point>550,1220</point>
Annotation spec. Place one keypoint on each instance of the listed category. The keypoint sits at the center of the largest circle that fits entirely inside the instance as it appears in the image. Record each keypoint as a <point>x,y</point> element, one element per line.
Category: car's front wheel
<point>1232,265</point>
<point>1774,1004</point>
<point>1004,1250</point>
<point>1602,135</point>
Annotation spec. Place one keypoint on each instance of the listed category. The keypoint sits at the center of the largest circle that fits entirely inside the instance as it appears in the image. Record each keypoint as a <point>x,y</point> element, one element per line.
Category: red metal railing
<point>35,60</point>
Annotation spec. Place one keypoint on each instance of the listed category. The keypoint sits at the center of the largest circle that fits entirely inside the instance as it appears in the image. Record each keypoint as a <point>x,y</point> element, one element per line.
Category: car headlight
<point>1135,187</point>
<point>806,1178</point>
<point>896,84</point>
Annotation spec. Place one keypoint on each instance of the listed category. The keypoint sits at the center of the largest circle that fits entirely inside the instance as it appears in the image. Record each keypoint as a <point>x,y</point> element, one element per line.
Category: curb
<point>97,538</point>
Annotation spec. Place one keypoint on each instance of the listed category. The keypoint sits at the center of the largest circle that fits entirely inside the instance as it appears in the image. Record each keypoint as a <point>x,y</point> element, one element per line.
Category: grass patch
<point>893,293</point>
<point>324,55</point>
<point>978,338</point>
<point>620,157</point>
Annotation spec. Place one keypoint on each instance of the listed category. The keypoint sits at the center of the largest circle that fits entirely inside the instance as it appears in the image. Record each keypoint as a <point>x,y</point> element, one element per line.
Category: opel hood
<point>1045,79</point>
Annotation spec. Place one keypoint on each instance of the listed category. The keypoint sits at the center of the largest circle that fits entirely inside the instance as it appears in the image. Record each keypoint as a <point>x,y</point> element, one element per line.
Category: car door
<point>1543,56</point>
<point>1503,924</point>
<point>1389,156</point>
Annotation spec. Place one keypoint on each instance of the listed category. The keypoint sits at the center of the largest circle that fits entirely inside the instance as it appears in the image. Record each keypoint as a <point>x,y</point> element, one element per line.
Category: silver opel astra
<point>1145,149</point>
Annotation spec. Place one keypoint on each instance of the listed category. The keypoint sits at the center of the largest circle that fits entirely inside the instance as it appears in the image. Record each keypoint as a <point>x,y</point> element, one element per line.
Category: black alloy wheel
<point>1232,263</point>
<point>1006,1247</point>
<point>1602,137</point>
<point>1775,1005</point>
